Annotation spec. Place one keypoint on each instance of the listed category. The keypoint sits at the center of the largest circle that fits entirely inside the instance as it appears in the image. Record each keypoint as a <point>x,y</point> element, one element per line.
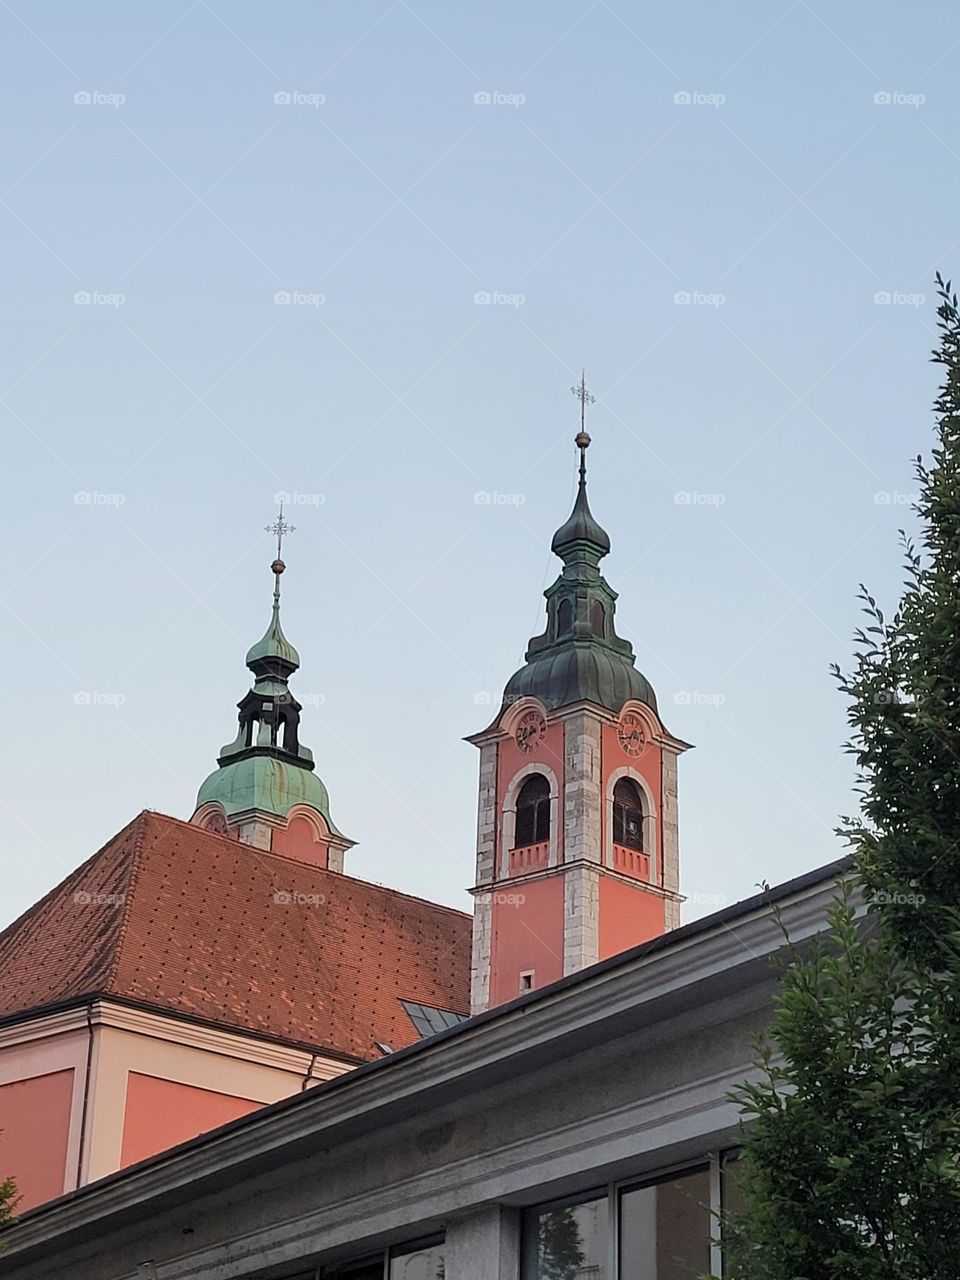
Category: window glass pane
<point>543,821</point>
<point>665,1229</point>
<point>733,1203</point>
<point>570,1243</point>
<point>526,819</point>
<point>370,1270</point>
<point>425,1263</point>
<point>732,1196</point>
<point>633,836</point>
<point>618,822</point>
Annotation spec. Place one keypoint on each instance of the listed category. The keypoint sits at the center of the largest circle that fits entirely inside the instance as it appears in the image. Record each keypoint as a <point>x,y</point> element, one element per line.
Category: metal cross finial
<point>280,528</point>
<point>584,396</point>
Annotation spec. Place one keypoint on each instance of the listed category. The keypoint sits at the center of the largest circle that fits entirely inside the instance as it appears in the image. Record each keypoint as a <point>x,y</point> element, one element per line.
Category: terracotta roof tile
<point>195,923</point>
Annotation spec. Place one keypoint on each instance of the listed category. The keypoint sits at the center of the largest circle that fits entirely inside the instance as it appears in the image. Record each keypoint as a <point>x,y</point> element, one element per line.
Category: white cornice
<point>44,1026</point>
<point>122,1017</point>
<point>505,883</point>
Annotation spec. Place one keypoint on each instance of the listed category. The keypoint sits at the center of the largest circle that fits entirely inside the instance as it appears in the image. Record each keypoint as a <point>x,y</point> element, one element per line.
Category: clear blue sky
<point>782,399</point>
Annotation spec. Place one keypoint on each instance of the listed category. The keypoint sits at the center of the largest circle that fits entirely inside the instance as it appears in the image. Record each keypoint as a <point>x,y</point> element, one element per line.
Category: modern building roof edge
<point>664,943</point>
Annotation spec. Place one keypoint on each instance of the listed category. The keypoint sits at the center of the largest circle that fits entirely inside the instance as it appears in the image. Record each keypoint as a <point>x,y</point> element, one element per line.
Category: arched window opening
<point>564,617</point>
<point>598,619</point>
<point>627,815</point>
<point>533,812</point>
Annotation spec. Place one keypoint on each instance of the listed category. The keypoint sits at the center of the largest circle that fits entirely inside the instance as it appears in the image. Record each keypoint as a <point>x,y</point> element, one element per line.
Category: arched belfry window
<point>627,815</point>
<point>598,619</point>
<point>533,812</point>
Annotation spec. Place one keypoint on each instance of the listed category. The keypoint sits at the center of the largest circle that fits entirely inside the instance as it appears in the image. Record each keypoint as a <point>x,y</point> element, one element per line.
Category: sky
<point>357,253</point>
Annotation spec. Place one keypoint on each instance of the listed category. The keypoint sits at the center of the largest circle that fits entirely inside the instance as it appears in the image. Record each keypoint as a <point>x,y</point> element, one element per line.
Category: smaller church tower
<point>577,849</point>
<point>265,791</point>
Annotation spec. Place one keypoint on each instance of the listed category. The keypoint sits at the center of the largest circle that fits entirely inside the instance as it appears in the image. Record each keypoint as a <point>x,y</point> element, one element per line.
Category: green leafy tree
<point>851,1166</point>
<point>904,697</point>
<point>561,1255</point>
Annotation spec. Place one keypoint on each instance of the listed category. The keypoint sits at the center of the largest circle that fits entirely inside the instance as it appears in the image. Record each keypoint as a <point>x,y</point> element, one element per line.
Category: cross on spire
<point>584,396</point>
<point>582,440</point>
<point>280,528</point>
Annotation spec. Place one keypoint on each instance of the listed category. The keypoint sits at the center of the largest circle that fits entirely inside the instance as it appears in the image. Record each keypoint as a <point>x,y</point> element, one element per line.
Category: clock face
<point>530,731</point>
<point>631,733</point>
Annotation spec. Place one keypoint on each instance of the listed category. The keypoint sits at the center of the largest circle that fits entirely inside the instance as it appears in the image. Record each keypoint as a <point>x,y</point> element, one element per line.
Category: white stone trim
<point>650,809</point>
<point>582,798</point>
<point>481,957</point>
<point>209,809</point>
<point>508,815</point>
<point>487,815</point>
<point>166,1026</point>
<point>516,710</point>
<point>581,916</point>
<point>320,826</point>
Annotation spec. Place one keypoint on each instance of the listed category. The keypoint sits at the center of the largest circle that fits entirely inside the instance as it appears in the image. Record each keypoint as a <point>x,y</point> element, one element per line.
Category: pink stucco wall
<point>161,1113</point>
<point>527,934</point>
<point>34,1132</point>
<point>628,916</point>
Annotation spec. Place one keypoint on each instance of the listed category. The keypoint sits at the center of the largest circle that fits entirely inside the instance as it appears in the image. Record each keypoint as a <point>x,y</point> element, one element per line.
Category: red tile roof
<point>195,923</point>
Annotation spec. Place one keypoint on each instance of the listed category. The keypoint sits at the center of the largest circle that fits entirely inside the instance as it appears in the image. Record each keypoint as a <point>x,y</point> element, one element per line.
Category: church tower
<point>577,851</point>
<point>265,791</point>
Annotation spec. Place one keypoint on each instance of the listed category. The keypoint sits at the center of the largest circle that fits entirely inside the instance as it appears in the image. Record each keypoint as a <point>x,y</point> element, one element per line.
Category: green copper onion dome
<point>274,645</point>
<point>266,768</point>
<point>579,656</point>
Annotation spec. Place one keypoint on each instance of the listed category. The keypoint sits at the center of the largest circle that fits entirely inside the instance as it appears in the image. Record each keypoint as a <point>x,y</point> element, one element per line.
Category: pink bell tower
<point>577,847</point>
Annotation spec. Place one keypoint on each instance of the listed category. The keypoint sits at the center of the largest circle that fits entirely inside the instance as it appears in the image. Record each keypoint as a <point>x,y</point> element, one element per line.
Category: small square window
<point>526,980</point>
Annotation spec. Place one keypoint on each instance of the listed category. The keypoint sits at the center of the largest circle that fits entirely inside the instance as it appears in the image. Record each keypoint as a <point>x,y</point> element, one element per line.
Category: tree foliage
<point>851,1167</point>
<point>561,1254</point>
